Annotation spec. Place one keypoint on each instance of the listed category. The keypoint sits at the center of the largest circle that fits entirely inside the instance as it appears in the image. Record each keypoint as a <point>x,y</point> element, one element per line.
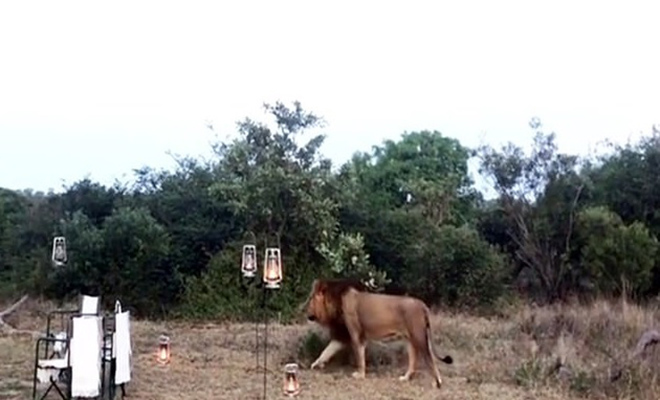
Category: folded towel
<point>86,343</point>
<point>50,369</point>
<point>122,347</point>
<point>90,305</point>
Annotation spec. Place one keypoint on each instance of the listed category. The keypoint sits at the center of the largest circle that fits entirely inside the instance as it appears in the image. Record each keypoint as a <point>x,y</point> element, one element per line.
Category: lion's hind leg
<point>412,362</point>
<point>429,356</point>
<point>421,339</point>
<point>430,361</point>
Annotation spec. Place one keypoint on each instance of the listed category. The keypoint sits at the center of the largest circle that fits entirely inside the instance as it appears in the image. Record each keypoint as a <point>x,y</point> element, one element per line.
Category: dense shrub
<point>455,266</point>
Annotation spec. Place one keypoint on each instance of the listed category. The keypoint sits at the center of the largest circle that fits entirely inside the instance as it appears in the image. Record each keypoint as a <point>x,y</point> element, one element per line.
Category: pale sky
<point>99,88</point>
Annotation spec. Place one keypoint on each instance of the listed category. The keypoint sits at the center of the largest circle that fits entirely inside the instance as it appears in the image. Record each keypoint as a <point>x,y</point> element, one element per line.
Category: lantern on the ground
<point>164,350</point>
<point>59,251</point>
<point>272,268</point>
<point>249,261</point>
<point>291,384</point>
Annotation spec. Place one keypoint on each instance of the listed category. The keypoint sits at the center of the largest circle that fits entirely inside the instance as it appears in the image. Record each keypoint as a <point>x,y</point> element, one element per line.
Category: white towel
<point>49,369</point>
<point>90,305</point>
<point>122,347</point>
<point>60,346</point>
<point>86,343</point>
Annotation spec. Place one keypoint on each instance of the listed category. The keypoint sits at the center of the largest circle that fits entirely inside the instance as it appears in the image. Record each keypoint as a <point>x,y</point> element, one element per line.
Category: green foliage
<point>614,254</point>
<point>12,209</point>
<point>424,170</point>
<point>278,190</point>
<point>346,257</point>
<point>222,293</point>
<point>455,266</point>
<point>216,293</point>
<point>126,258</point>
<point>539,194</point>
<point>404,217</point>
<point>198,223</point>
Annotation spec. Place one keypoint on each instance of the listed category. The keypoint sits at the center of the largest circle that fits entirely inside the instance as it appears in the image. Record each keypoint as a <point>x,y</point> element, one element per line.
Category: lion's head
<point>324,301</point>
<point>317,303</point>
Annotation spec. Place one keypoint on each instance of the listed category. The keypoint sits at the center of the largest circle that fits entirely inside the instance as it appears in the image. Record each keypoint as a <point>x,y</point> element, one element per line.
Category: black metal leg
<point>69,382</point>
<point>47,391</point>
<point>113,386</point>
<point>103,375</point>
<point>34,378</point>
<point>54,384</point>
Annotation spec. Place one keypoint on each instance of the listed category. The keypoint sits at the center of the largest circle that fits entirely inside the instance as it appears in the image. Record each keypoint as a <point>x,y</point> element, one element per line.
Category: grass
<point>561,352</point>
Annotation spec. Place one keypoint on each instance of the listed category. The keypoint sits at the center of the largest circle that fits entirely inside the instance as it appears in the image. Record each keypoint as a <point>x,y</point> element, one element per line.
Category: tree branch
<point>13,307</point>
<point>10,329</point>
<point>571,217</point>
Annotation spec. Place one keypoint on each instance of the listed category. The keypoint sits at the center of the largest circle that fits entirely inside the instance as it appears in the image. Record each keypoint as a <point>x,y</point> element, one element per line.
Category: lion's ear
<point>316,286</point>
<point>320,286</point>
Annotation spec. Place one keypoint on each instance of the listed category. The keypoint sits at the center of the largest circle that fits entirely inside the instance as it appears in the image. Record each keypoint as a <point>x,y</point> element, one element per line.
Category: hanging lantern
<point>291,385</point>
<point>273,268</point>
<point>249,261</point>
<point>59,251</point>
<point>164,350</point>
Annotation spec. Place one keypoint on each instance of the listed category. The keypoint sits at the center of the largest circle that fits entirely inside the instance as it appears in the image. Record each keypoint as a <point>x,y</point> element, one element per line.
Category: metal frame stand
<point>264,311</point>
<point>249,283</point>
<point>262,308</point>
<point>64,376</point>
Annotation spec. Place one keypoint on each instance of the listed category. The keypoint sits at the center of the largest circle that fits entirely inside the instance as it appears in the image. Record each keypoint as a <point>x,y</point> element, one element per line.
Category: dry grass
<point>545,353</point>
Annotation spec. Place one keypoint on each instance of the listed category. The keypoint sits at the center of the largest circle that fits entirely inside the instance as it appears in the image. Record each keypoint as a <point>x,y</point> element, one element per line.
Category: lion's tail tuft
<point>446,359</point>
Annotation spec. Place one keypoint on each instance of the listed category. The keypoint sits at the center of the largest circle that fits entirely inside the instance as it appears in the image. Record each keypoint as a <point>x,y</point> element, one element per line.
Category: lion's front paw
<point>358,375</point>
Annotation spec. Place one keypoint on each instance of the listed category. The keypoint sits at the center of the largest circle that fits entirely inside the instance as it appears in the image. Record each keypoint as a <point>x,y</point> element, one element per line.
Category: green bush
<point>614,254</point>
<point>455,266</point>
<point>221,292</point>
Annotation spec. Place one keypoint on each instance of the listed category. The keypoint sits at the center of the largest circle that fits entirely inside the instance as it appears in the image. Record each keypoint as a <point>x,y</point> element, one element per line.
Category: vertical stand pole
<point>256,338</point>
<point>264,307</point>
<point>265,316</point>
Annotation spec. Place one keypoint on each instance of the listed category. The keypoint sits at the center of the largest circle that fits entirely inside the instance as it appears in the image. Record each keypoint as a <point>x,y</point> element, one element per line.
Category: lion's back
<point>346,302</point>
<point>383,314</point>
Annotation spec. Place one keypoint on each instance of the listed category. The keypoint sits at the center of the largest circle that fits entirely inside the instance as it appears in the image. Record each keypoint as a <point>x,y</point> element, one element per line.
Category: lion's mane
<point>333,290</point>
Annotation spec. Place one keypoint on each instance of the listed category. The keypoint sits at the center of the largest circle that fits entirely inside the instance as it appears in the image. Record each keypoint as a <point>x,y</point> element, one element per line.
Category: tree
<point>626,181</point>
<point>401,186</point>
<point>280,195</point>
<point>274,185</point>
<point>454,266</point>
<point>12,213</point>
<point>540,193</point>
<point>613,254</point>
<point>423,169</point>
<point>126,259</point>
<point>198,222</point>
<point>93,199</point>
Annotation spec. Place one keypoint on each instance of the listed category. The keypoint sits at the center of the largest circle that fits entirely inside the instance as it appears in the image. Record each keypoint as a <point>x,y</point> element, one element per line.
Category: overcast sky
<point>100,88</point>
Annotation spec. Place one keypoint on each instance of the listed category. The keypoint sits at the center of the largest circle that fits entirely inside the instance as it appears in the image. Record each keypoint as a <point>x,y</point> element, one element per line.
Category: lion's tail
<point>446,359</point>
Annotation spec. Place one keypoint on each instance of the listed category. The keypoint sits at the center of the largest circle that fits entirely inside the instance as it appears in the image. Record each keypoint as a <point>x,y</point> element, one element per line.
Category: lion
<point>354,316</point>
